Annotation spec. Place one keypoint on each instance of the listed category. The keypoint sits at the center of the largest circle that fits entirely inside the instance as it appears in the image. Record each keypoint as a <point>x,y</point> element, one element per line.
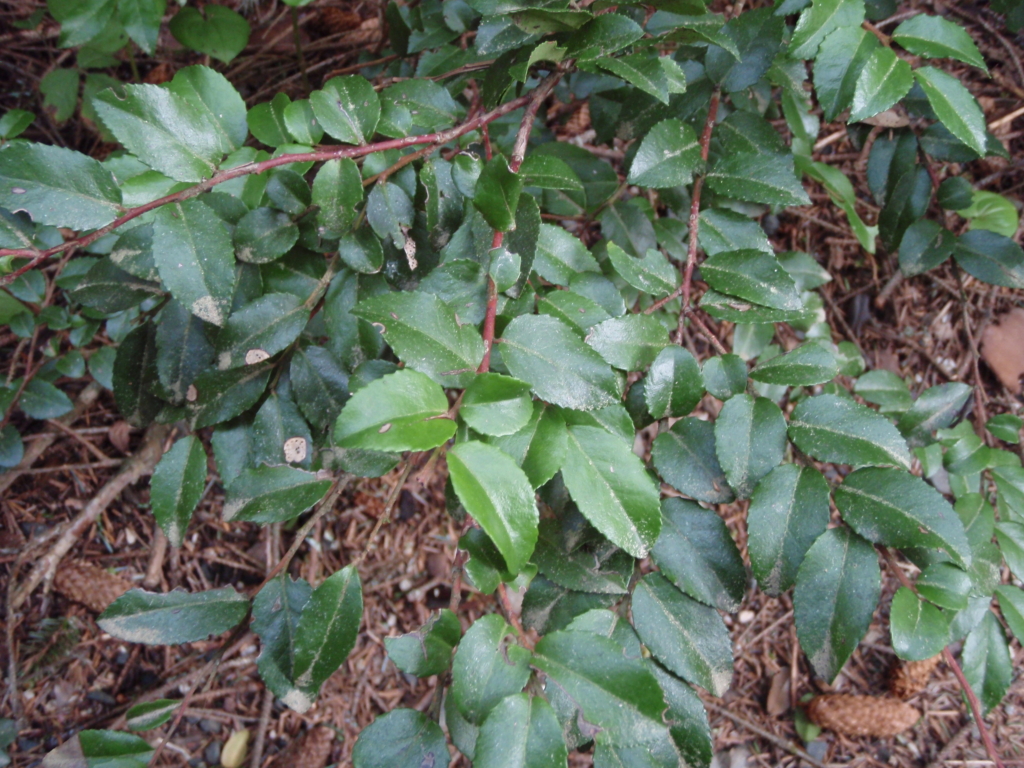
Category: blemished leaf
<point>426,335</point>
<point>955,107</point>
<point>884,80</point>
<point>520,732</point>
<point>561,369</point>
<point>837,590</point>
<point>279,433</point>
<point>612,489</point>
<point>57,186</point>
<point>652,274</point>
<point>403,411</point>
<point>836,429</point>
<point>616,693</point>
<point>222,34</point>
<point>895,508</point>
<point>175,617</point>
<point>163,129</point>
<point>151,714</point>
<point>630,342</point>
<point>260,330</point>
<point>696,553</point>
<point>602,36</point>
<point>750,439</point>
<point>935,408</point>
<point>987,663</point>
<point>499,496</point>
<point>539,446</point>
<point>686,457</point>
<point>938,38</point>
<point>788,511</point>
<point>176,487</point>
<point>560,256</point>
<point>195,258</point>
<point>325,635</point>
<point>273,494</point>
<point>667,157</point>
<point>603,568</point>
<point>990,257</point>
<point>752,275</point>
<point>488,666</point>
<point>808,364</point>
<point>919,629</point>
<point>402,738</point>
<point>347,108</point>
<point>275,619</point>
<point>428,650</point>
<point>497,193</point>
<point>496,405</point>
<point>674,385</point>
<point>758,178</point>
<point>820,19</point>
<point>687,637</point>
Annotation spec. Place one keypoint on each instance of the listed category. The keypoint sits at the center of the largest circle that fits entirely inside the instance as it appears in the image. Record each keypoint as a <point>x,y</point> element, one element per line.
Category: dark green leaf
<point>987,663</point>
<point>673,386</point>
<point>176,487</point>
<point>222,34</point>
<point>222,395</point>
<point>275,619</point>
<point>1011,605</point>
<point>990,257</point>
<point>273,494</point>
<point>651,274</point>
<point>955,107</point>
<point>667,156</point>
<point>686,458</point>
<point>750,438</point>
<point>836,429</point>
<point>752,275</point>
<point>337,190</point>
<point>605,35</point>
<point>209,92</point>
<point>416,104</point>
<point>133,371</point>
<point>347,108</point>
<point>820,19</point>
<point>810,363</point>
<point>549,172</point>
<point>403,738</point>
<point>945,585</point>
<point>560,256</point>
<point>756,39</point>
<point>1005,427</point>
<point>539,447</point>
<point>521,732</point>
<point>838,66</point>
<point>936,408</point>
<point>758,178</point>
<point>497,193</point>
<point>175,617</point>
<point>113,749</point>
<point>151,714</point>
<point>630,342</point>
<point>725,375</point>
<point>924,246</point>
<point>428,650</point>
<point>260,330</point>
<point>938,38</point>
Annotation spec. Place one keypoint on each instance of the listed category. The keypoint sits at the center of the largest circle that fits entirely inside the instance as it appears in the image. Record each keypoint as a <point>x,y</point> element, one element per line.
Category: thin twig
<point>389,506</point>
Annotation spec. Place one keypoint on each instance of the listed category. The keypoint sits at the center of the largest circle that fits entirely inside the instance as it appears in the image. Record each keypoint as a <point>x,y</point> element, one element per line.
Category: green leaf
<point>602,36</point>
<point>499,496</point>
<point>488,666</point>
<point>133,373</point>
<point>687,459</point>
<point>630,342</point>
<point>652,274</point>
<point>724,375</point>
<point>112,749</point>
<point>549,172</point>
<point>319,385</point>
<point>1010,536</point>
<point>924,246</point>
<point>337,190</point>
<point>361,251</point>
<point>987,663</point>
<point>667,157</point>
<point>936,408</point>
<point>521,732</point>
<point>1005,427</point>
<point>263,235</point>
<point>347,108</point>
<point>989,257</point>
<point>428,650</point>
<point>164,130</point>
<point>836,429</point>
<point>955,107</point>
<point>993,212</point>
<point>602,568</point>
<point>403,738</point>
<point>267,121</point>
<point>1011,605</point>
<point>689,638</point>
<point>808,364</point>
<point>560,256</point>
<point>561,369</point>
<point>173,617</point>
<point>151,714</point>
<point>885,389</point>
<point>612,489</point>
<point>42,400</point>
<point>57,186</point>
<point>820,19</point>
<point>1010,482</point>
<point>14,122</point>
<point>574,309</point>
<point>403,411</point>
<point>275,619</point>
<point>673,386</point>
<point>222,395</point>
<point>750,438</point>
<point>195,259</point>
<point>756,37</point>
<point>12,449</point>
<point>616,693</point>
<point>496,405</point>
<point>539,447</point>
<point>892,507</point>
<point>176,487</point>
<point>938,38</point>
<point>426,335</point>
<point>260,330</point>
<point>222,34</point>
<point>626,224</point>
<point>696,553</point>
<point>945,585</point>
<point>273,494</point>
<point>757,178</point>
<point>837,590</point>
<point>919,629</point>
<point>413,104</point>
<point>497,194</point>
<point>59,88</point>
<point>789,510</point>
<point>752,275</point>
<point>838,65</point>
<point>210,92</point>
<point>884,80</point>
<point>141,20</point>
<point>80,21</point>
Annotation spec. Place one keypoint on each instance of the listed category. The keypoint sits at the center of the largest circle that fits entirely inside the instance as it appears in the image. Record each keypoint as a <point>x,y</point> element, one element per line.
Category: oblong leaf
<point>750,438</point>
<point>520,732</point>
<point>834,428</point>
<point>175,617</point>
<point>686,458</point>
<point>808,364</point>
<point>176,487</point>
<point>260,330</point>
<point>752,275</point>
<point>273,494</point>
<point>919,629</point>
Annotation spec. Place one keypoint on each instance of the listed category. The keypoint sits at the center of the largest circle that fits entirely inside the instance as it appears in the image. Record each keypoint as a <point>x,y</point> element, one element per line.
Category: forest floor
<point>72,676</point>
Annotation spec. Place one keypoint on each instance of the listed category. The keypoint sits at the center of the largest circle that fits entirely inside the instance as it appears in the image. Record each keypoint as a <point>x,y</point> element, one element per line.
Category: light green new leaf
<point>652,274</point>
<point>808,364</point>
<point>612,489</point>
<point>521,732</point>
<point>403,738</point>
<point>837,590</point>
<point>177,485</point>
<point>496,405</point>
<point>325,635</point>
<point>919,629</point>
<point>687,637</point>
<point>539,446</point>
<point>273,494</point>
<point>750,439</point>
<point>630,342</point>
<point>674,385</point>
<point>667,157</point>
<point>820,19</point>
<point>836,429</point>
<point>498,495</point>
<point>955,107</point>
<point>488,666</point>
<point>752,275</point>
<point>758,178</point>
<point>895,508</point>
<point>938,38</point>
<point>57,186</point>
<point>260,330</point>
<point>174,617</point>
<point>347,108</point>
<point>884,80</point>
<point>686,458</point>
<point>987,663</point>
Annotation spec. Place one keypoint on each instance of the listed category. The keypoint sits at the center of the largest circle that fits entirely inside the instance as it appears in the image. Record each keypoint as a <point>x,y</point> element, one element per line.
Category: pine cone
<point>335,21</point>
<point>89,584</point>
<point>909,677</point>
<point>878,716</point>
<point>579,122</point>
<point>311,750</point>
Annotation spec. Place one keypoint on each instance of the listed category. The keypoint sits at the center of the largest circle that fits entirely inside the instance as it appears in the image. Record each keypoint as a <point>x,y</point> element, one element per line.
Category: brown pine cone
<point>310,750</point>
<point>850,715</point>
<point>89,584</point>
<point>909,677</point>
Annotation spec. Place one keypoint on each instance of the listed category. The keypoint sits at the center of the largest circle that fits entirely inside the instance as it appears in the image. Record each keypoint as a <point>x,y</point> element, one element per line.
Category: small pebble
<point>817,749</point>
<point>212,752</point>
<point>746,616</point>
<point>209,726</point>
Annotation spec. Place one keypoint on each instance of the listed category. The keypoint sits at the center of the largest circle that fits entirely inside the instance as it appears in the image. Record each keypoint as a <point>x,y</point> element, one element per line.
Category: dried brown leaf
<point>1002,348</point>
